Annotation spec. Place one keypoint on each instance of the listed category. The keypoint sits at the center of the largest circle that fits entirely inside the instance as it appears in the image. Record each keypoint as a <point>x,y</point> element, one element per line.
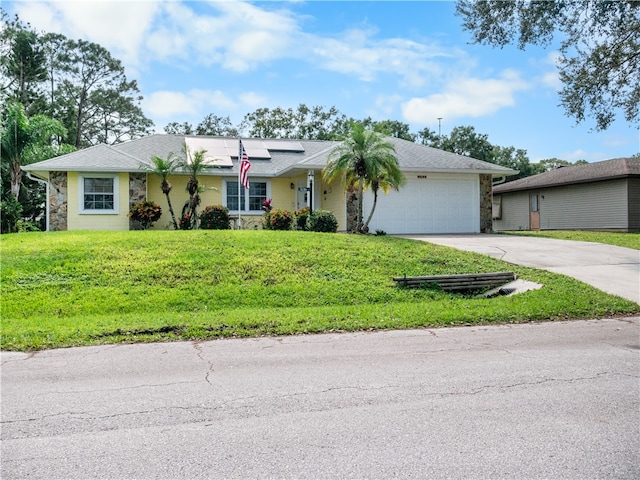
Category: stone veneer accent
<point>486,201</point>
<point>57,201</point>
<point>352,211</point>
<point>137,193</point>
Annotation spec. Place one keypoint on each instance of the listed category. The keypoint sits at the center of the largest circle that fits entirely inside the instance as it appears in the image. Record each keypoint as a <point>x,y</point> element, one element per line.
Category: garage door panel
<point>437,204</point>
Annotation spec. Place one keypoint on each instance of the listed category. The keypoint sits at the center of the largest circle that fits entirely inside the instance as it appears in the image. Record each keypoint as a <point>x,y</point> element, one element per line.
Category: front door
<point>534,212</point>
<point>302,199</point>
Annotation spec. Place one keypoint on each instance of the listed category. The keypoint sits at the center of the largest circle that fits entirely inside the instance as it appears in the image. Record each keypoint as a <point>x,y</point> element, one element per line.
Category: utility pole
<point>439,127</point>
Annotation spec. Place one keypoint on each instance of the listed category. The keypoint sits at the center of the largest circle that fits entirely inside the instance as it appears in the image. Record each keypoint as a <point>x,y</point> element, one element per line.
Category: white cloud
<point>252,100</point>
<point>192,106</point>
<point>551,78</point>
<point>250,49</point>
<point>358,54</point>
<point>617,140</point>
<point>384,106</point>
<point>466,97</point>
<point>168,104</point>
<point>118,26</point>
<point>238,35</point>
<point>579,155</point>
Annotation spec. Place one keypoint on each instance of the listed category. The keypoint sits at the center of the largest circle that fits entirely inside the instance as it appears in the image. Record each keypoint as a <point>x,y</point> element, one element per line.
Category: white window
<point>98,194</point>
<point>250,200</point>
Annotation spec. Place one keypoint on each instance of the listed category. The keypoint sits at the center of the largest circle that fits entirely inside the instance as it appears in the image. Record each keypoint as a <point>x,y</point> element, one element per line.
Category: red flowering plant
<point>278,219</point>
<point>302,216</point>
<point>185,222</point>
<point>266,208</point>
<point>215,217</point>
<point>145,213</point>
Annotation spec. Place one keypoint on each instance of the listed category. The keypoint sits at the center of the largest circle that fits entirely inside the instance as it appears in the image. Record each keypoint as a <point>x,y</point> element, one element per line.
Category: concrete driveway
<point>614,270</point>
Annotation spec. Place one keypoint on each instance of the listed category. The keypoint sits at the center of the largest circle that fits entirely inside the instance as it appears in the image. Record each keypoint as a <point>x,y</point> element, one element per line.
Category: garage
<point>428,203</point>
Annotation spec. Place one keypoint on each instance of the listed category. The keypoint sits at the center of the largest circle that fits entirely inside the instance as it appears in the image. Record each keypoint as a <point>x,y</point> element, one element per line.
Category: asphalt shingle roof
<point>130,156</point>
<point>589,172</point>
<point>97,158</point>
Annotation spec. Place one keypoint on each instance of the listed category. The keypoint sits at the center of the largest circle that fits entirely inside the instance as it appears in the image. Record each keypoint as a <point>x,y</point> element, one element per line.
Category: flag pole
<point>239,173</point>
<point>243,174</point>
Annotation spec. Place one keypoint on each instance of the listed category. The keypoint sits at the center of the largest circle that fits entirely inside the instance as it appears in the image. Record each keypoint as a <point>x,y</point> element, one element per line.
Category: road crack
<point>534,383</point>
<point>198,348</point>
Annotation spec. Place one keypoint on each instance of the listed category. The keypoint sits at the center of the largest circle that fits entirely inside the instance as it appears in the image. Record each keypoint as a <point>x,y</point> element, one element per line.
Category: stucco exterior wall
<point>590,206</point>
<point>333,198</point>
<point>103,221</point>
<point>282,195</point>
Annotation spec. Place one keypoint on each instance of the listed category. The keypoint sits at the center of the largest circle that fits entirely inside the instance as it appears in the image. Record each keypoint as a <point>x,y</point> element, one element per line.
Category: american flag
<point>245,165</point>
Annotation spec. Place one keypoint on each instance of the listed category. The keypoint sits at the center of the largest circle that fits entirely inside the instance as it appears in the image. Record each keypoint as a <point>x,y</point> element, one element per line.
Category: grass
<point>628,240</point>
<point>83,288</point>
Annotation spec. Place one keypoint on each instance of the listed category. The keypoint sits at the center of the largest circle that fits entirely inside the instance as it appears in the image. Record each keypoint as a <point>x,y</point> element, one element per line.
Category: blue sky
<point>406,61</point>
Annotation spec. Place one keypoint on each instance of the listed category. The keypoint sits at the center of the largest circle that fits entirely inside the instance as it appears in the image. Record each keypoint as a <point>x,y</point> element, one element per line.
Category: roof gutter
<point>35,178</point>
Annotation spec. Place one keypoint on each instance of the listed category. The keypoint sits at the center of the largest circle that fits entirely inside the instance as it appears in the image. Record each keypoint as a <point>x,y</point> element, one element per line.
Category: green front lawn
<point>628,240</point>
<point>82,288</point>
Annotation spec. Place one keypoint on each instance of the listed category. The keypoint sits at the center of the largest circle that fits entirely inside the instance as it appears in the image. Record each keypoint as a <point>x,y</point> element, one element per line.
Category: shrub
<point>145,212</point>
<point>27,226</point>
<point>10,212</point>
<point>185,222</point>
<point>302,216</point>
<point>215,217</point>
<point>322,221</point>
<point>277,219</point>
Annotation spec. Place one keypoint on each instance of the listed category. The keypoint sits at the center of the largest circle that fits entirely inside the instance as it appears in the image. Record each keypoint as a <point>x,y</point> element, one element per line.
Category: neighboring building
<point>593,196</point>
<point>92,189</point>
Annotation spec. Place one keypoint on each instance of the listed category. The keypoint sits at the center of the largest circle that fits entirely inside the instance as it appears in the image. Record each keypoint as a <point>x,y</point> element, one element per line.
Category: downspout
<point>500,180</point>
<point>46,202</point>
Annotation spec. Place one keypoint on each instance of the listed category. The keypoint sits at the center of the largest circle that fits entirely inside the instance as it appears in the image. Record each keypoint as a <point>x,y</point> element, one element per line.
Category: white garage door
<point>432,203</point>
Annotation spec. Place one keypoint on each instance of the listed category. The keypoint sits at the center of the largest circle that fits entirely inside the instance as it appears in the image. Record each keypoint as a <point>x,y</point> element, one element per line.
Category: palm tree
<point>163,168</point>
<point>25,140</point>
<point>364,158</point>
<point>393,178</point>
<point>193,164</point>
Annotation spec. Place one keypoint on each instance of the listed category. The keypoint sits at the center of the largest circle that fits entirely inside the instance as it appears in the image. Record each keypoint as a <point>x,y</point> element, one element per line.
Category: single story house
<point>593,196</point>
<point>92,189</point>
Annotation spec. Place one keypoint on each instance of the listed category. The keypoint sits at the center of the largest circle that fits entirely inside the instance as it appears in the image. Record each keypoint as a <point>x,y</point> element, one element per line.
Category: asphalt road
<point>612,269</point>
<point>551,400</point>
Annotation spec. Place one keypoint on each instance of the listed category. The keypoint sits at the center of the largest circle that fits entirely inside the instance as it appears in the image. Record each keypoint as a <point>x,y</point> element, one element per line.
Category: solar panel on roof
<point>255,149</point>
<point>257,153</point>
<point>216,150</point>
<point>285,146</point>
<point>227,147</point>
